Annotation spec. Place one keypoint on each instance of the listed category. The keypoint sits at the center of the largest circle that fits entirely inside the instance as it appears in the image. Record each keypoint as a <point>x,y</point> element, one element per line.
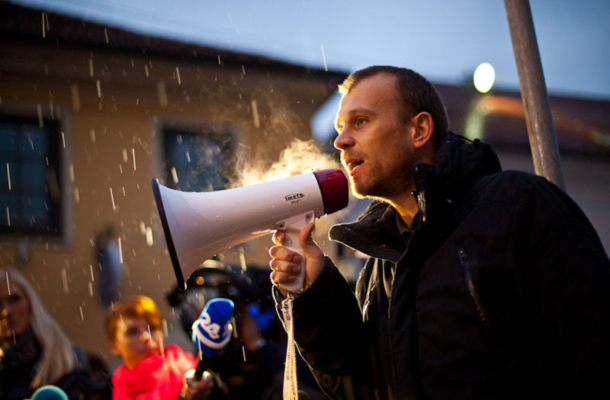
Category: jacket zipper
<point>470,283</point>
<point>391,342</point>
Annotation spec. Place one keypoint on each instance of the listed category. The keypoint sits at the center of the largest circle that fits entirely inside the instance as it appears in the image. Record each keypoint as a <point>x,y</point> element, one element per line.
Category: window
<point>198,160</point>
<point>30,183</point>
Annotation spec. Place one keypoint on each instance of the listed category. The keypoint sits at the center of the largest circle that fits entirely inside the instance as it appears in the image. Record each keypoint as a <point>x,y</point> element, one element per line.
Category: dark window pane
<point>33,175</point>
<point>198,160</point>
<point>34,211</point>
<point>31,152</point>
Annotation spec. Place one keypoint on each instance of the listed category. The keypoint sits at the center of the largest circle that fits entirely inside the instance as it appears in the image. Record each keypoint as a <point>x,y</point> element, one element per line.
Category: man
<point>481,284</point>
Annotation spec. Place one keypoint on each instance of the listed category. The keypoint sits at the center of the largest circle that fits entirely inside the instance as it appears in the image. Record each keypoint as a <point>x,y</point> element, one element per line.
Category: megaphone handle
<point>291,227</point>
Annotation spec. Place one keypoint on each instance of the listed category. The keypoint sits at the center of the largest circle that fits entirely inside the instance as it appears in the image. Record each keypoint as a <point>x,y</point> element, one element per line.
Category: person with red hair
<point>150,370</point>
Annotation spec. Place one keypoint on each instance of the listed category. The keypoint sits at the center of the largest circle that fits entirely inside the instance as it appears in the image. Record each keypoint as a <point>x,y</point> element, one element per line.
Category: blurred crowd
<point>35,352</point>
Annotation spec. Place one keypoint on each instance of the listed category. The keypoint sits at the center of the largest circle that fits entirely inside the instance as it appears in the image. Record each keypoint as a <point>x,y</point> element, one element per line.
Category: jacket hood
<point>458,164</point>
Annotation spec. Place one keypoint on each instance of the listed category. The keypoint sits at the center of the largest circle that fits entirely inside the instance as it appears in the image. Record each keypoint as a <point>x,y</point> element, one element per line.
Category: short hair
<point>132,307</point>
<point>58,356</point>
<point>417,93</point>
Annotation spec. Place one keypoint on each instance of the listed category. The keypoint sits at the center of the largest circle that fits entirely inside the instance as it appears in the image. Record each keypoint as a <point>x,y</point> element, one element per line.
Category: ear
<point>114,350</point>
<point>424,129</point>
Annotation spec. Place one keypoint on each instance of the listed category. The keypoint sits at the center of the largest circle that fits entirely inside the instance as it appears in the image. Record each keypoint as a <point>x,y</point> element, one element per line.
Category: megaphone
<point>199,225</point>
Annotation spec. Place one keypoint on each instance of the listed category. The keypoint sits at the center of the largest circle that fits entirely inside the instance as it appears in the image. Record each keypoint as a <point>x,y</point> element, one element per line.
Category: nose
<point>344,140</point>
<point>145,337</point>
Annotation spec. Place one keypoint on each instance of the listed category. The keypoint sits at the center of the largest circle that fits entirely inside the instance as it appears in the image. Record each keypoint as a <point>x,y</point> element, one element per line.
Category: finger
<point>284,254</point>
<point>278,237</point>
<point>285,267</point>
<point>279,278</point>
<point>208,380</point>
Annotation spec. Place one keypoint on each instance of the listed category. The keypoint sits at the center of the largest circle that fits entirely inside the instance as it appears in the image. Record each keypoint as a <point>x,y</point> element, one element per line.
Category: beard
<point>385,181</point>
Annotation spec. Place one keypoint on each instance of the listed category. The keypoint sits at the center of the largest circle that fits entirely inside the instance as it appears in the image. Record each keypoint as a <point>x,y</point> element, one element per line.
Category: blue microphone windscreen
<point>212,331</point>
<point>49,392</point>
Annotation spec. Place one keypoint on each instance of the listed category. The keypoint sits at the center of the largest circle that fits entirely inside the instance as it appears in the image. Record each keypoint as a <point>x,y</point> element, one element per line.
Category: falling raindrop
<point>149,236</point>
<point>39,109</point>
<point>8,286</point>
<point>174,175</point>
<point>242,259</point>
<point>178,76</point>
<point>255,114</point>
<point>133,152</point>
<point>162,94</point>
<point>120,251</point>
<point>112,197</point>
<point>324,58</point>
<point>8,173</point>
<point>75,97</point>
<point>64,280</point>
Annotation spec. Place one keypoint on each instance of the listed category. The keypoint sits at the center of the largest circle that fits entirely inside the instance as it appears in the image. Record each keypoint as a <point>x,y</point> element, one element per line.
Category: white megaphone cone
<point>199,225</point>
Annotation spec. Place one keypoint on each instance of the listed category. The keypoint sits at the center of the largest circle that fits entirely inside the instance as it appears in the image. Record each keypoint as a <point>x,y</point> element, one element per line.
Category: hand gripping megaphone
<point>199,225</point>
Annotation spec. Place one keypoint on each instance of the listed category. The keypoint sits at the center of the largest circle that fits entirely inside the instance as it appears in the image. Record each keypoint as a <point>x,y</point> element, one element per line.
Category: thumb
<point>305,236</point>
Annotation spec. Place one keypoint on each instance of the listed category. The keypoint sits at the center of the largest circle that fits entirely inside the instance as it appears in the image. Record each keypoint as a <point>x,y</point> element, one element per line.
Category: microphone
<point>212,331</point>
<point>49,392</point>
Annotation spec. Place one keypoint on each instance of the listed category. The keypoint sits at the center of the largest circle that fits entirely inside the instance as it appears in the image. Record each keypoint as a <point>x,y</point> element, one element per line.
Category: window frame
<point>215,127</point>
<point>61,159</point>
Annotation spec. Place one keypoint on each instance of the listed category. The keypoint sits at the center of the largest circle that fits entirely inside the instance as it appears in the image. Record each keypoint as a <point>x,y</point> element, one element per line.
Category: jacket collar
<point>458,164</point>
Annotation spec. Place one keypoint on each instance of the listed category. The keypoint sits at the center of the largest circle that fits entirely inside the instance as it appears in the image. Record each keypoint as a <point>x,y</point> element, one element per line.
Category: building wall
<point>111,106</point>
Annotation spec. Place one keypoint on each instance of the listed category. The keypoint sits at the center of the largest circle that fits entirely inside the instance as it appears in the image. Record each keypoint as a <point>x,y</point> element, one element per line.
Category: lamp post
<point>540,128</point>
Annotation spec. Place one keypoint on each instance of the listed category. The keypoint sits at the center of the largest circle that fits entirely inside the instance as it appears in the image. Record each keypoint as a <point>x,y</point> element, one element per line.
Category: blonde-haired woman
<point>34,351</point>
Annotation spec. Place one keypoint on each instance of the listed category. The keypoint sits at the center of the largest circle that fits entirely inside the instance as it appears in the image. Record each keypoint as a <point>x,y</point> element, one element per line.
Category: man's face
<point>374,140</point>
<point>14,311</point>
<point>136,340</point>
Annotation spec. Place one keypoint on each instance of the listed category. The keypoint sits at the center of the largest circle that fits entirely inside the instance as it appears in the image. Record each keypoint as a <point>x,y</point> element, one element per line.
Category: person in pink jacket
<point>151,371</point>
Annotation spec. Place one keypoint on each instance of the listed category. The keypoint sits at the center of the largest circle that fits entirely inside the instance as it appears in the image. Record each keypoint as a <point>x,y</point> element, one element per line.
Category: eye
<point>14,299</point>
<point>360,120</point>
<point>132,332</point>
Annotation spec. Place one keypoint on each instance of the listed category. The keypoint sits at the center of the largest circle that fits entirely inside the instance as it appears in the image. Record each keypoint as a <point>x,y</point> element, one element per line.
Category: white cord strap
<point>290,371</point>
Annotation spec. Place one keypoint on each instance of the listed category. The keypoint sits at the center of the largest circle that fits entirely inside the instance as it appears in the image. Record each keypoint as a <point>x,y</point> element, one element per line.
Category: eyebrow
<point>352,113</point>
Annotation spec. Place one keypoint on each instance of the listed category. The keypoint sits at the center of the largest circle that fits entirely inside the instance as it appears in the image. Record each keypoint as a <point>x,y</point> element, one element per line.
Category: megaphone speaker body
<point>199,225</point>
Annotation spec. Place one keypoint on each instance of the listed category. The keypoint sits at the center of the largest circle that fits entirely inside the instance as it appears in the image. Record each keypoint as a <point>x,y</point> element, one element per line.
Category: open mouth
<point>353,164</point>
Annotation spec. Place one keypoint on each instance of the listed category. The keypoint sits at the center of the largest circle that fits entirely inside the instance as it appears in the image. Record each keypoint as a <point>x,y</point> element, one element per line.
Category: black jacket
<point>500,289</point>
<point>18,368</point>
